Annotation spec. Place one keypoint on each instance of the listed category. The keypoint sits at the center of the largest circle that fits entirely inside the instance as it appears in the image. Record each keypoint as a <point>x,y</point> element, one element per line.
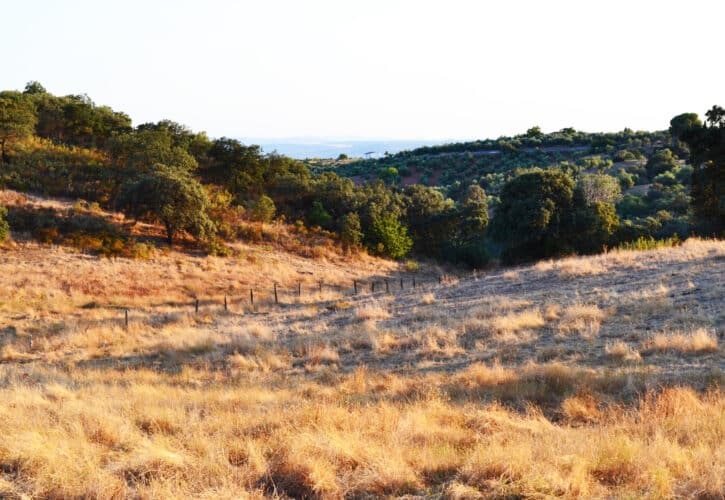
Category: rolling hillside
<point>597,376</point>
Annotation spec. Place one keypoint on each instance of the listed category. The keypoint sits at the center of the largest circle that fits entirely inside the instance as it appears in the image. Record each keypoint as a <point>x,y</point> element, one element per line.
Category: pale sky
<point>374,69</point>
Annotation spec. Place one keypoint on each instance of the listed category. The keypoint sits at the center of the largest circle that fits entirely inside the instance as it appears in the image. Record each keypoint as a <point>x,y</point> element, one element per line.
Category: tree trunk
<point>5,158</point>
<point>169,233</point>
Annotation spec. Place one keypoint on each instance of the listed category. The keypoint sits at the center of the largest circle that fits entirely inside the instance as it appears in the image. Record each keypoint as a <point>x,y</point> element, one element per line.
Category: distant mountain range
<point>302,148</point>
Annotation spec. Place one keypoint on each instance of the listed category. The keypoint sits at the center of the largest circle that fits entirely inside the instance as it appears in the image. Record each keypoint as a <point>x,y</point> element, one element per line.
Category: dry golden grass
<point>583,319</point>
<point>372,311</point>
<point>620,351</point>
<point>516,322</point>
<point>500,386</point>
<point>699,341</point>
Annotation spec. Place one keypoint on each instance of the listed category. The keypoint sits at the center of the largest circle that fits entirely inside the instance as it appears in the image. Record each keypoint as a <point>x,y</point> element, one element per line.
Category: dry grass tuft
<point>428,299</point>
<point>516,322</point>
<point>323,354</point>
<point>621,351</point>
<point>372,311</point>
<point>698,342</point>
<point>582,319</point>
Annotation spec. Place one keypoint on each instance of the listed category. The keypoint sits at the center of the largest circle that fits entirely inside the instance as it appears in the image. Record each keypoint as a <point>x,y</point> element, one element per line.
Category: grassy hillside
<point>596,377</point>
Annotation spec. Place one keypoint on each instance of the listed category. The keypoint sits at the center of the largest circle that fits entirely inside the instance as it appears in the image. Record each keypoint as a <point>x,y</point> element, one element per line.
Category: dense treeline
<point>203,187</point>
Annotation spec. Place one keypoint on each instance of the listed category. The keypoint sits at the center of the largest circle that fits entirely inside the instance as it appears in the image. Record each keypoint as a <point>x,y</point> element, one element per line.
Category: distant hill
<point>491,162</point>
<point>330,148</point>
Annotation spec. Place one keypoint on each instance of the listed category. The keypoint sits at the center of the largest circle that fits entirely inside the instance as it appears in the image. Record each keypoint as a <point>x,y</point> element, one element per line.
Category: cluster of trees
<point>706,144</point>
<point>192,184</point>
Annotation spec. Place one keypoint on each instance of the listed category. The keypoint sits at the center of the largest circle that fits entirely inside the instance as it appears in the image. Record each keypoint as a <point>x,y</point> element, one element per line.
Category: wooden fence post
<point>299,289</point>
<point>372,286</point>
<point>401,283</point>
<point>276,300</point>
<point>126,312</point>
<point>320,286</point>
<point>225,302</point>
<point>196,306</point>
<point>251,296</point>
<point>387,288</point>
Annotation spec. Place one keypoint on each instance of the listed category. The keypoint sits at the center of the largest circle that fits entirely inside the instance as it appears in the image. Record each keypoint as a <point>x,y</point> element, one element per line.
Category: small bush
<point>4,227</point>
<point>218,248</point>
<point>649,243</point>
<point>412,266</point>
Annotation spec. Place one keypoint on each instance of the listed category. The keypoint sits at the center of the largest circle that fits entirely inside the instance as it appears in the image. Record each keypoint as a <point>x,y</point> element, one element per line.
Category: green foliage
<point>542,215</point>
<point>626,155</point>
<point>666,178</point>
<point>411,266</point>
<point>531,217</point>
<point>263,209</point>
<point>549,194</point>
<point>599,188</point>
<point>389,237</point>
<point>649,243</point>
<point>351,233</point>
<point>33,88</point>
<point>4,227</point>
<point>388,175</point>
<point>534,132</point>
<point>17,119</point>
<point>681,124</point>
<point>171,196</point>
<point>632,206</point>
<point>137,153</point>
<point>626,180</point>
<point>467,244</point>
<point>75,119</point>
<point>593,227</point>
<point>428,218</point>
<point>318,216</point>
<point>707,156</point>
<point>662,161</point>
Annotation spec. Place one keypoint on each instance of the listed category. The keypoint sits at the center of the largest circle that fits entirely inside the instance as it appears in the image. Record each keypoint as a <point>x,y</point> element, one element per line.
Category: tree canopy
<point>171,196</point>
<point>17,119</point>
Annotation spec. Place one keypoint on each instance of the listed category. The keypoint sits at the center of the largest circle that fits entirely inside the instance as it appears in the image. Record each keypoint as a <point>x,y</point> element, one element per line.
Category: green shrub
<point>4,227</point>
<point>217,248</point>
<point>649,243</point>
<point>350,233</point>
<point>263,209</point>
<point>412,266</point>
<point>390,237</point>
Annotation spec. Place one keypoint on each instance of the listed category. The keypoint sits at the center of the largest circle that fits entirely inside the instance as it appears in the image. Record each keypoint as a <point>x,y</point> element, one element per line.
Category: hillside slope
<point>583,376</point>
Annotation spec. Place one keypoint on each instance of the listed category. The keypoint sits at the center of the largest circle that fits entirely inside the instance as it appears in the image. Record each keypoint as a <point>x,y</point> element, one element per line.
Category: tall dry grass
<point>140,433</point>
<point>547,383</point>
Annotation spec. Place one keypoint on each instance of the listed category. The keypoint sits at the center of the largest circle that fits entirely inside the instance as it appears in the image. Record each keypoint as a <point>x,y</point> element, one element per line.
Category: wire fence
<point>277,295</point>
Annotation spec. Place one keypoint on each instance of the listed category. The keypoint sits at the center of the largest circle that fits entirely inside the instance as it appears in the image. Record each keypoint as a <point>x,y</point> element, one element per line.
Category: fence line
<point>277,292</point>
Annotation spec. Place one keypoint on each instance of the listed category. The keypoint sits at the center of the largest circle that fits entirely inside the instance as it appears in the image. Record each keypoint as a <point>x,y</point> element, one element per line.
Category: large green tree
<point>706,143</point>
<point>427,217</point>
<point>533,215</point>
<point>17,119</point>
<point>137,153</point>
<point>171,196</point>
<point>468,222</point>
